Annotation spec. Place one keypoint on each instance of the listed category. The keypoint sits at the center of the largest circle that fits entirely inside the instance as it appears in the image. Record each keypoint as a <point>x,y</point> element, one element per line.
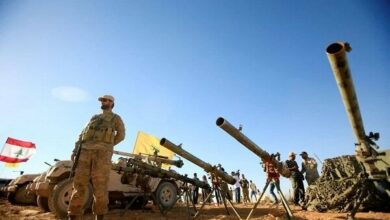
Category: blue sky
<point>174,67</point>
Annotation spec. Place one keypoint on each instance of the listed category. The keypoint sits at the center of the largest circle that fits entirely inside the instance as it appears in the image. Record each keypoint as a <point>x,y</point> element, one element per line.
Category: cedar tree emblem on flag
<point>16,151</point>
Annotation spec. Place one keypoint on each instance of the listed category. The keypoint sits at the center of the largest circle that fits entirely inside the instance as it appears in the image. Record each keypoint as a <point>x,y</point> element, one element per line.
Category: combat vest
<point>101,128</point>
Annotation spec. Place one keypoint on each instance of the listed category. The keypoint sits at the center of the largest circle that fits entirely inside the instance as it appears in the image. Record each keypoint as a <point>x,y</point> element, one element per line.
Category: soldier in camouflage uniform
<point>245,189</point>
<point>97,140</point>
<point>309,166</point>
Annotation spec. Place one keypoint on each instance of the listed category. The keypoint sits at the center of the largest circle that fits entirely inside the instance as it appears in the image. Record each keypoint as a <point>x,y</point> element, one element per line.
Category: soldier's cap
<point>291,154</point>
<point>109,97</point>
<point>303,153</point>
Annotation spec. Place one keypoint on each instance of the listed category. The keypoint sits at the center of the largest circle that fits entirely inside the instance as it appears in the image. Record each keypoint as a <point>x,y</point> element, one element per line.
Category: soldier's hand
<point>72,157</point>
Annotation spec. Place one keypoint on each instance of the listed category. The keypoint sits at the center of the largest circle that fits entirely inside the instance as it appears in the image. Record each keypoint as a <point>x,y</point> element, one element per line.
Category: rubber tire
<point>166,194</point>
<point>59,199</point>
<point>43,203</point>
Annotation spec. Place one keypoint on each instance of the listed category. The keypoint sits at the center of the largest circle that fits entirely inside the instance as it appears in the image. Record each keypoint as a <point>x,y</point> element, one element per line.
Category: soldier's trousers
<point>93,166</point>
<point>299,190</point>
<point>245,192</point>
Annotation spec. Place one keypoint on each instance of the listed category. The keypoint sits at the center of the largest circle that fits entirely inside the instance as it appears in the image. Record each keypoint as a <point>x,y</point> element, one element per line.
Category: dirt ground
<point>263,212</point>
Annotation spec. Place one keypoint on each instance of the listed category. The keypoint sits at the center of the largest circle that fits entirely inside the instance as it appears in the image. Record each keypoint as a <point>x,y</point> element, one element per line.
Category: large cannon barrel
<point>244,140</point>
<point>206,166</point>
<point>336,53</point>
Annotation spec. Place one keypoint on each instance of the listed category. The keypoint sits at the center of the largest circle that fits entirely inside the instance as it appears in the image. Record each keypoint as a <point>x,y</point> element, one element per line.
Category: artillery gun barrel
<point>177,163</point>
<point>206,166</point>
<point>336,53</point>
<point>137,166</point>
<point>244,140</point>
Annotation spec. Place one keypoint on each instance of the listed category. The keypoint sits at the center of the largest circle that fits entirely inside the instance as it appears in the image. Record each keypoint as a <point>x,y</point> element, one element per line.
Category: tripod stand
<point>187,197</point>
<point>216,188</point>
<point>284,201</point>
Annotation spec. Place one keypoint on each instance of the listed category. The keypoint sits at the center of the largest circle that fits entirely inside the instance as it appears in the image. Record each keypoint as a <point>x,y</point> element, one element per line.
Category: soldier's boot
<point>99,217</point>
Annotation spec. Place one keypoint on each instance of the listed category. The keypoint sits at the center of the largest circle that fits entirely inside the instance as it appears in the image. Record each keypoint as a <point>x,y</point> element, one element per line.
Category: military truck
<point>31,189</point>
<point>17,192</point>
<point>123,186</point>
<point>44,184</point>
<point>3,185</point>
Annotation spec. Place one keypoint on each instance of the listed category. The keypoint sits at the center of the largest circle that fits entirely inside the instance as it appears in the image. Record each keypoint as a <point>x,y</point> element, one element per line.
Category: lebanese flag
<point>16,151</point>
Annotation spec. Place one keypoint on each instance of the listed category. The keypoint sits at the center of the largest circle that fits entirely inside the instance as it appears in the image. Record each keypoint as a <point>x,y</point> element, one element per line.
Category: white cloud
<point>69,94</point>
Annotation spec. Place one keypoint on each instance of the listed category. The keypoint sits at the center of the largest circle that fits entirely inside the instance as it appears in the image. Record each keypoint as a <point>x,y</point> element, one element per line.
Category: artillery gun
<point>173,184</point>
<point>264,156</point>
<point>244,140</point>
<point>155,159</point>
<point>136,165</point>
<point>376,164</point>
<point>220,178</point>
<point>206,166</point>
<point>360,181</point>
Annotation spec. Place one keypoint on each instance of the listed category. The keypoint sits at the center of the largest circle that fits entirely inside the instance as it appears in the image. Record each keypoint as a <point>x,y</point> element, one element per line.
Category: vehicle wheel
<point>59,199</point>
<point>166,194</point>
<point>42,203</point>
<point>24,196</point>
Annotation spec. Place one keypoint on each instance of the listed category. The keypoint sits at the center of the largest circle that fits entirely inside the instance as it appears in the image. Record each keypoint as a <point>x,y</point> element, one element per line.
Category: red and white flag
<point>16,151</point>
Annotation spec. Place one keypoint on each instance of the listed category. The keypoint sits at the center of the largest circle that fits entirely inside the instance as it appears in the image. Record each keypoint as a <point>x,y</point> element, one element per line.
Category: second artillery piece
<point>264,156</point>
<point>244,140</point>
<point>216,173</point>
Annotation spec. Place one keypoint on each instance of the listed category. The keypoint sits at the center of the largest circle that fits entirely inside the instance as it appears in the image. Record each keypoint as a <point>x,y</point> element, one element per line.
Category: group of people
<point>248,188</point>
<point>308,171</point>
<point>241,183</point>
<point>245,191</point>
<point>105,130</point>
<point>309,168</point>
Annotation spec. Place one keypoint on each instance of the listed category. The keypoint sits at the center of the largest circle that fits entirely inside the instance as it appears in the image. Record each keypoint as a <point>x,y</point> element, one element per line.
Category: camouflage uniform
<point>245,189</point>
<point>309,166</point>
<point>98,139</point>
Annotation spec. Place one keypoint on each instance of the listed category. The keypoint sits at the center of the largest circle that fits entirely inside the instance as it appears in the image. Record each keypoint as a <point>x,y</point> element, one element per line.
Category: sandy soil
<point>263,212</point>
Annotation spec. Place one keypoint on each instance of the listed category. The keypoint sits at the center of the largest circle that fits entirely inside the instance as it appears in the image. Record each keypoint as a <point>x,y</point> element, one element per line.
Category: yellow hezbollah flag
<point>12,165</point>
<point>148,144</point>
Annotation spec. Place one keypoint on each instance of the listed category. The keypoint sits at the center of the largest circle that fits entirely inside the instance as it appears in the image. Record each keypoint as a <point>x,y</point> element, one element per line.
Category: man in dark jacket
<point>296,179</point>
